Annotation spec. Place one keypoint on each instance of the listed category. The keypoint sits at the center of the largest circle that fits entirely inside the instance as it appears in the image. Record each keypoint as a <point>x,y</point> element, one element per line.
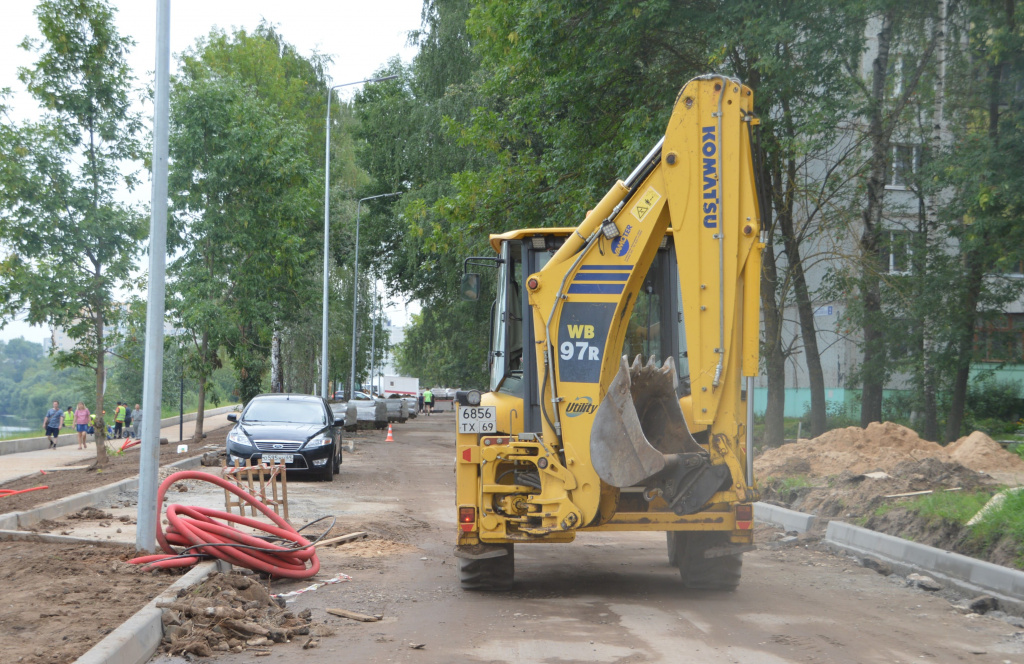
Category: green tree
<point>70,243</point>
<point>241,199</point>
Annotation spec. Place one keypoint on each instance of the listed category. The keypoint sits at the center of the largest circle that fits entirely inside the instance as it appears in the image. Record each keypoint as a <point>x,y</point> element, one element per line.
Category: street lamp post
<point>327,223</point>
<point>355,293</point>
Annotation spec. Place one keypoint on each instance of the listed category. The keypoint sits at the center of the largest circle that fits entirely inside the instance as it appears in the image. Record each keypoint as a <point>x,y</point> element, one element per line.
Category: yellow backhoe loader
<point>571,436</point>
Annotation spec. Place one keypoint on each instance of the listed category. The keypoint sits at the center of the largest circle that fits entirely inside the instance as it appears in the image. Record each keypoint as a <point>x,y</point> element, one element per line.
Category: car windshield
<point>279,410</point>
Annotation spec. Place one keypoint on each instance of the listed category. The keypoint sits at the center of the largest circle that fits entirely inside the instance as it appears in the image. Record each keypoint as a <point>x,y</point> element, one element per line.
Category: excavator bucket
<point>638,422</point>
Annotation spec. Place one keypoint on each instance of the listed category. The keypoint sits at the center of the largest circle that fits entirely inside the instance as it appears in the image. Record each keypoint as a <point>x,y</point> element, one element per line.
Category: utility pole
<point>149,455</point>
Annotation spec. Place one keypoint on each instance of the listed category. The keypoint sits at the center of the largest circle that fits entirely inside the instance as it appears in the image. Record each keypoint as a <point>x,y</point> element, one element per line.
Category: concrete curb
<point>17,445</point>
<point>138,638</point>
<point>73,503</point>
<point>782,517</point>
<point>962,572</point>
<point>27,536</point>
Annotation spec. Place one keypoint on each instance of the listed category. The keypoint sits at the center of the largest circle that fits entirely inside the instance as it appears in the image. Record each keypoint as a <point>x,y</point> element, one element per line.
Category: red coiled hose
<point>196,526</point>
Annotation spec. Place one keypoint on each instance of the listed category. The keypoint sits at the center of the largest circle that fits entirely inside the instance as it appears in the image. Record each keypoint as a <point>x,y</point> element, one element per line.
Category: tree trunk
<point>805,309</point>
<point>100,437</point>
<point>204,346</point>
<point>775,359</point>
<point>873,369</point>
<point>276,368</point>
<point>965,346</point>
<point>975,270</point>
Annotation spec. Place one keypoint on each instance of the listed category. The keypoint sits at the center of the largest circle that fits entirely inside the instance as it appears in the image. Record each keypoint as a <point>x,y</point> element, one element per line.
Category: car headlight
<point>238,438</point>
<point>319,441</point>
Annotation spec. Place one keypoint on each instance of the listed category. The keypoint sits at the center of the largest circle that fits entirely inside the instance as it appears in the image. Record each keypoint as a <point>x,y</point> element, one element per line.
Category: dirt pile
<point>882,446</point>
<point>851,496</point>
<point>232,613</point>
<point>981,453</point>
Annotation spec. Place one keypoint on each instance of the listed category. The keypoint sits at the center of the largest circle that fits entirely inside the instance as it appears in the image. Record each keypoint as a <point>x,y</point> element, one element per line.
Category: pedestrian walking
<point>82,417</point>
<point>428,400</point>
<point>51,422</point>
<point>119,415</point>
<point>421,402</point>
<point>69,419</point>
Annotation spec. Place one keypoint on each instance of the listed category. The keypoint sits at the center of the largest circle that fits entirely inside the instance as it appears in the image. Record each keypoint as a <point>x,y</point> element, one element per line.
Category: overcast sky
<point>359,36</point>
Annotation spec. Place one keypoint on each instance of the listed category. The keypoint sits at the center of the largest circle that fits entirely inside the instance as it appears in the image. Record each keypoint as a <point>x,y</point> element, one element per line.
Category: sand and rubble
<point>881,447</point>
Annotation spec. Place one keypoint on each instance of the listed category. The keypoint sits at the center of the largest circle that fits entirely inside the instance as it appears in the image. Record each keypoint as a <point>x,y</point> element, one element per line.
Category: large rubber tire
<point>337,462</point>
<point>696,571</point>
<point>488,573</point>
<point>673,558</point>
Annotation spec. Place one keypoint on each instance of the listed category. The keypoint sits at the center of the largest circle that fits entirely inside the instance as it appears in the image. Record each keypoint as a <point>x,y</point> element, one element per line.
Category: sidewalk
<point>14,465</point>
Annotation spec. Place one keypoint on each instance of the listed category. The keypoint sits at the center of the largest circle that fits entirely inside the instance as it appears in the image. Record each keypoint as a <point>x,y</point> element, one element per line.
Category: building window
<point>906,160</point>
<point>1001,340</point>
<point>901,251</point>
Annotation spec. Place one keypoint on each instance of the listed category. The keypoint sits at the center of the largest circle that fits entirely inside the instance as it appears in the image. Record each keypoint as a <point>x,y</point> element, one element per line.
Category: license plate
<point>287,458</point>
<point>478,419</point>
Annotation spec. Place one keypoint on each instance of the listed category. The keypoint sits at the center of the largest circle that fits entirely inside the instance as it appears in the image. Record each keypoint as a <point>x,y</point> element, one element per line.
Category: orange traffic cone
<point>389,439</point>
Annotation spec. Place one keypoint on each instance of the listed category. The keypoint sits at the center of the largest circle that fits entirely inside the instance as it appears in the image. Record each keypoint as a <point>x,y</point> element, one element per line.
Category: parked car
<point>363,412</point>
<point>299,429</point>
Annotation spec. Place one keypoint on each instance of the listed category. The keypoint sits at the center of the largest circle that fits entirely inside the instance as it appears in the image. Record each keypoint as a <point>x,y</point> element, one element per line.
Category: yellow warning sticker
<point>644,204</point>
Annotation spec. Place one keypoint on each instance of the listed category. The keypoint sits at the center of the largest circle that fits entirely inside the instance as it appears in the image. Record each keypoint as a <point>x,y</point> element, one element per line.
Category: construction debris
<point>231,613</point>
<point>353,615</point>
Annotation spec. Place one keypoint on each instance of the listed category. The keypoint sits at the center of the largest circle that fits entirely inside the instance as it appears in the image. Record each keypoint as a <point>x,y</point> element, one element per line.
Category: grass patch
<point>955,506</point>
<point>1006,520</point>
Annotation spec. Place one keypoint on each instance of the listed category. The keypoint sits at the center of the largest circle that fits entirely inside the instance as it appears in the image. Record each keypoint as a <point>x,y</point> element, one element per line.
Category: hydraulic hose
<point>202,534</point>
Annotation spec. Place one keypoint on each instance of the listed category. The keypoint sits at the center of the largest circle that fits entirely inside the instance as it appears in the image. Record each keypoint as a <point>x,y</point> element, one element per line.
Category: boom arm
<point>698,181</point>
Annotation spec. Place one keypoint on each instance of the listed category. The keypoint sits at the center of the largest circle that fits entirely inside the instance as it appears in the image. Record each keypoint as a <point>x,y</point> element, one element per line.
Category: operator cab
<point>655,322</point>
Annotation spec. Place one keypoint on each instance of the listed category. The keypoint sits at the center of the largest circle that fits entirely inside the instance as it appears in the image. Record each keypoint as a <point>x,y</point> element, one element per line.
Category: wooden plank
<point>345,613</point>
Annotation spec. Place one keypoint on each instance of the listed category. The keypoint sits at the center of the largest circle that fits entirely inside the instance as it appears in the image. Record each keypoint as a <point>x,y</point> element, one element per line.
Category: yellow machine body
<point>697,194</point>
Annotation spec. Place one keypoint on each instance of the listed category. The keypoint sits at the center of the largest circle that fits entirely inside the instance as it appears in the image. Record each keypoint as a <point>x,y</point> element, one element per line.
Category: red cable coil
<point>192,526</point>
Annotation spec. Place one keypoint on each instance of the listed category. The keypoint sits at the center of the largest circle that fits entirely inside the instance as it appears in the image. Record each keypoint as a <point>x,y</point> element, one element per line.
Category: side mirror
<point>232,417</point>
<point>469,289</point>
<point>339,421</point>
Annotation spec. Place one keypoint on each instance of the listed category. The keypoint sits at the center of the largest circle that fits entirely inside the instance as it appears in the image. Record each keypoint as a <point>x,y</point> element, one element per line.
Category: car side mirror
<point>232,417</point>
<point>469,289</point>
<point>339,421</point>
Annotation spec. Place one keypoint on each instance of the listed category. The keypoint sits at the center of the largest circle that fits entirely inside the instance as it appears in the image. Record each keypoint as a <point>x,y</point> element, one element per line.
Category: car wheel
<point>337,461</point>
<point>327,474</point>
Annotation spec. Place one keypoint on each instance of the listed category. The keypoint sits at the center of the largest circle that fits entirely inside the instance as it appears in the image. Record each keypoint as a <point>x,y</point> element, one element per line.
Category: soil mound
<point>881,446</point>
<point>981,453</point>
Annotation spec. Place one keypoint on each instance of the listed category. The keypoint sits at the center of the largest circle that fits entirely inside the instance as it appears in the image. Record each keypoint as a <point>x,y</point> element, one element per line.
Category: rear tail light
<point>745,516</point>
<point>467,518</point>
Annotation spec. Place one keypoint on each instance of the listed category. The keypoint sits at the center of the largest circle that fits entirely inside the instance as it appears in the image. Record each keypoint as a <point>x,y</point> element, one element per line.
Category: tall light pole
<point>355,293</point>
<point>149,454</point>
<point>327,223</point>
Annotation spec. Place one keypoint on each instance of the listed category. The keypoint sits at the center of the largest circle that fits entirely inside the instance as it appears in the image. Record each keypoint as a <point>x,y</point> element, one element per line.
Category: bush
<point>991,399</point>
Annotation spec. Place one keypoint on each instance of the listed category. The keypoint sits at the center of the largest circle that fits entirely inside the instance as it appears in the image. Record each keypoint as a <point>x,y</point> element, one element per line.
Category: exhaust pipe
<point>640,438</point>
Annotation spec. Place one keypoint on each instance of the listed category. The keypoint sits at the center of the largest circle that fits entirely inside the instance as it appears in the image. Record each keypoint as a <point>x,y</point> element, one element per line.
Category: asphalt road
<point>608,597</point>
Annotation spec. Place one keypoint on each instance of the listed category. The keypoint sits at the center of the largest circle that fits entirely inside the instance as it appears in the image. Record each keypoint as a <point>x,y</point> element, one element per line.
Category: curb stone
<point>73,503</point>
<point>968,575</point>
<point>138,638</point>
<point>785,518</point>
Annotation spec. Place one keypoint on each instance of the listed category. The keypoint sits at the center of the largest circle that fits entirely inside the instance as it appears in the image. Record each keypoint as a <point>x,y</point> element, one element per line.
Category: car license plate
<point>287,458</point>
<point>478,419</point>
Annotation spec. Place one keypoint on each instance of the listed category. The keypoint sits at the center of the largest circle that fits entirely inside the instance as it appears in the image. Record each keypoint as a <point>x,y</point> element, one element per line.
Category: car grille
<point>272,446</point>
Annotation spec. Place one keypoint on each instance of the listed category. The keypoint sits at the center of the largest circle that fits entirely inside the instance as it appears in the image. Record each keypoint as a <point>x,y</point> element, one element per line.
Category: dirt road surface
<point>608,597</point>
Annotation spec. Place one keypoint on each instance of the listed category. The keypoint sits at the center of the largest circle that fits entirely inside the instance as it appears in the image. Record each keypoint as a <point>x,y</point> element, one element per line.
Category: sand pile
<point>981,453</point>
<point>881,446</point>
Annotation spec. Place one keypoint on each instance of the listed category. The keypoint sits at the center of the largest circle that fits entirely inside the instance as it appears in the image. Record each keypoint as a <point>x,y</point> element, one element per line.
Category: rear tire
<point>488,573</point>
<point>696,571</point>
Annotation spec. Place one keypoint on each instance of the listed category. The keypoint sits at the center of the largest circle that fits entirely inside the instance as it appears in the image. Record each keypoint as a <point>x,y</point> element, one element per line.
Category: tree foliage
<point>69,243</point>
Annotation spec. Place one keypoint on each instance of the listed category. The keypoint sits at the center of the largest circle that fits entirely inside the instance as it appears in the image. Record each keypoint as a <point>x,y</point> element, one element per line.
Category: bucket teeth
<point>653,390</point>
